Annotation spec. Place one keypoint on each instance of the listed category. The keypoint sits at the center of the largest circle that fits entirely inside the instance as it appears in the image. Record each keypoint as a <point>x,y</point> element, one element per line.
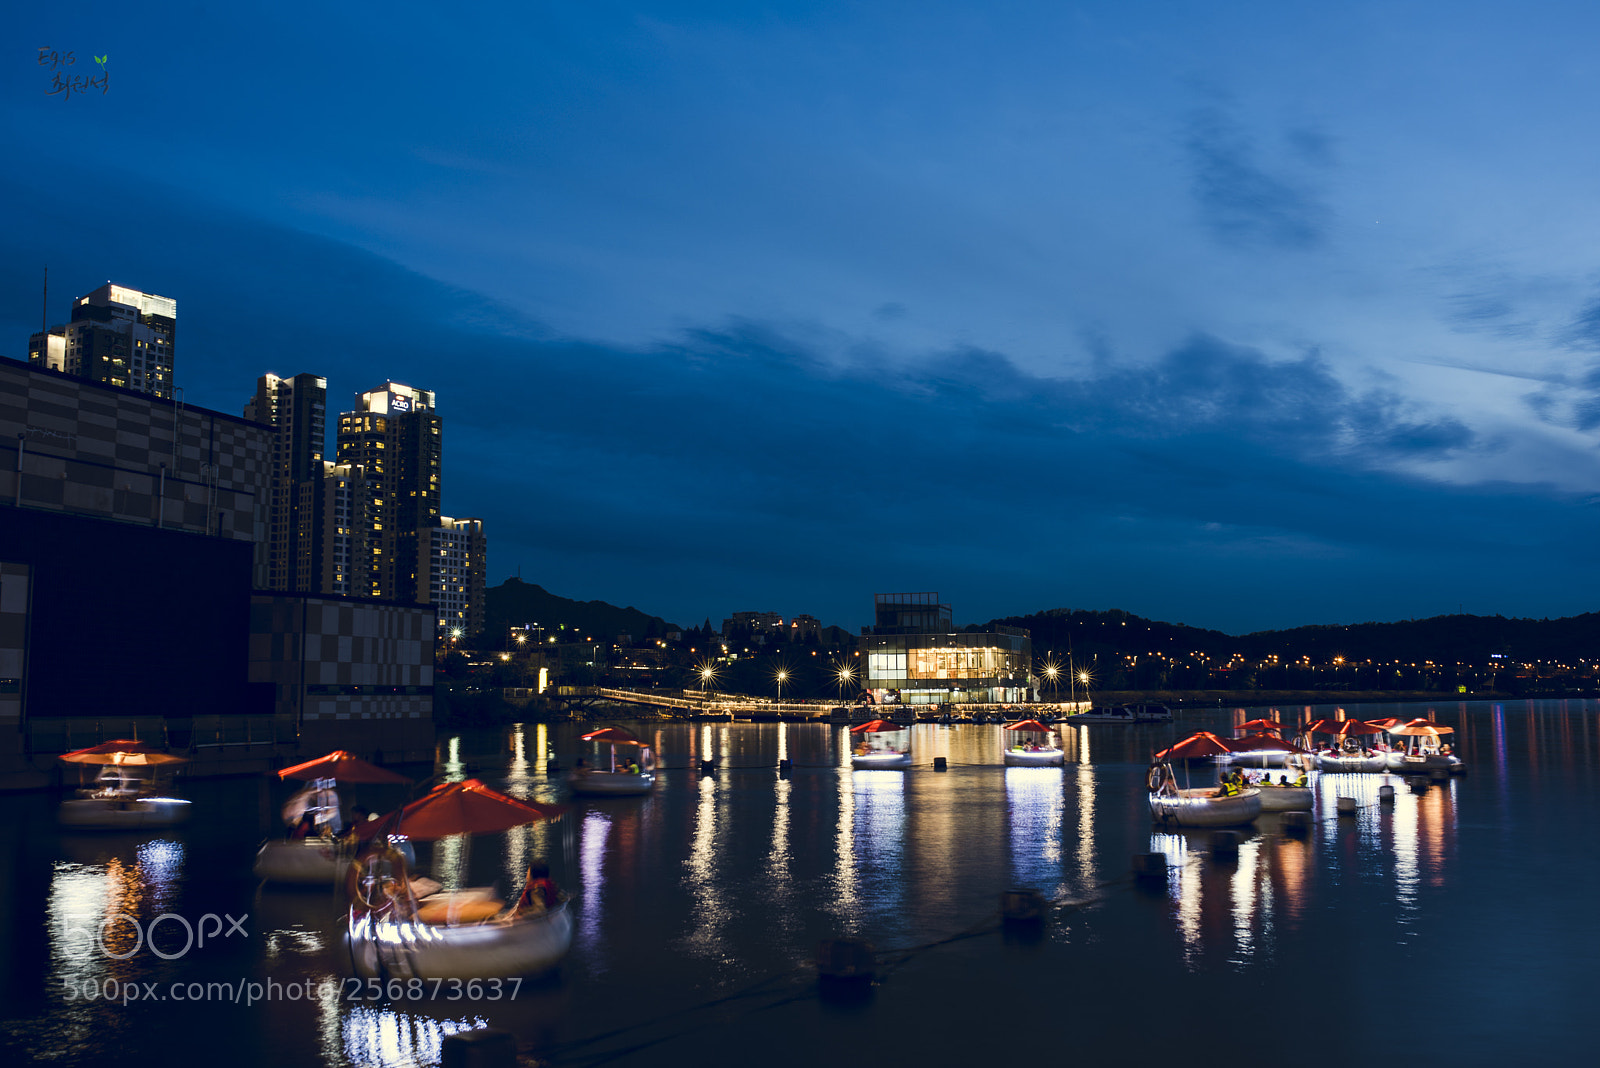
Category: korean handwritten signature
<point>64,83</point>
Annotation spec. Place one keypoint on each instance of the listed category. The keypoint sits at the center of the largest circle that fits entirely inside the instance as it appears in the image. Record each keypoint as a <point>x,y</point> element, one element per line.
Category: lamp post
<point>847,675</point>
<point>782,675</point>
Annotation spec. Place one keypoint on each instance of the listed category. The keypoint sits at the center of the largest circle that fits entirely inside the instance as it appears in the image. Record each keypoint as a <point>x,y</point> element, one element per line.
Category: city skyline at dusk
<point>1243,318</point>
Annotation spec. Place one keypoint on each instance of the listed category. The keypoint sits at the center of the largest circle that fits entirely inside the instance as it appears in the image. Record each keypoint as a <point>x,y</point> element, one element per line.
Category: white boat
<point>1353,762</point>
<point>304,861</point>
<point>1202,808</point>
<point>610,783</point>
<point>882,746</point>
<point>627,766</point>
<point>1117,714</point>
<point>1284,798</point>
<point>1402,763</point>
<point>382,947</point>
<point>1260,758</point>
<point>137,813</point>
<point>1034,758</point>
<point>1152,714</point>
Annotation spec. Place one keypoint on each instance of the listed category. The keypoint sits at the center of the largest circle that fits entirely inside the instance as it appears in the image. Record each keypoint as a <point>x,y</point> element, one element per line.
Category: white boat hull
<point>1199,808</point>
<point>611,783</point>
<point>881,761</point>
<point>1094,717</point>
<point>1402,764</point>
<point>496,949</point>
<point>1376,762</point>
<point>1043,758</point>
<point>1285,798</point>
<point>305,862</point>
<point>123,813</point>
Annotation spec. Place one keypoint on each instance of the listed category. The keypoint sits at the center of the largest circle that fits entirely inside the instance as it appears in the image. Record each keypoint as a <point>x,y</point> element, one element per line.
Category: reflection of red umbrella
<point>1260,725</point>
<point>1028,726</point>
<point>122,752</point>
<point>343,766</point>
<point>1199,744</point>
<point>464,808</point>
<point>614,735</point>
<point>876,726</point>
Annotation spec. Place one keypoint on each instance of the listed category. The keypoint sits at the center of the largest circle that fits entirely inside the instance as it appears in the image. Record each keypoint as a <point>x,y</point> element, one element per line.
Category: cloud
<point>1242,202</point>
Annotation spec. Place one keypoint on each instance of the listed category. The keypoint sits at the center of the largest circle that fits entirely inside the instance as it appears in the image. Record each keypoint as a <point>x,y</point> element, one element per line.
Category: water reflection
<point>1033,804</point>
<point>391,1038</point>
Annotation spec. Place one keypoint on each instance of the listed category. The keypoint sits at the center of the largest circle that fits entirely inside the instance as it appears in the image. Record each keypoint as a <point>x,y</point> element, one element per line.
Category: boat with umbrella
<point>128,792</point>
<point>1424,750</point>
<point>1209,806</point>
<point>317,857</point>
<point>624,765</point>
<point>880,745</point>
<point>1286,796</point>
<point>1030,744</point>
<point>1344,754</point>
<point>393,933</point>
<point>1253,756</point>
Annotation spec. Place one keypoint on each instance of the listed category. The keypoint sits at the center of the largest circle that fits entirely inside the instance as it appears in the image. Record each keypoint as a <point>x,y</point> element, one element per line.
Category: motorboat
<point>314,854</point>
<point>1422,750</point>
<point>1279,798</point>
<point>128,794</point>
<point>627,766</point>
<point>880,745</point>
<point>1113,714</point>
<point>395,930</point>
<point>1152,714</point>
<point>1346,755</point>
<point>1032,745</point>
<point>1210,806</point>
<point>1175,806</point>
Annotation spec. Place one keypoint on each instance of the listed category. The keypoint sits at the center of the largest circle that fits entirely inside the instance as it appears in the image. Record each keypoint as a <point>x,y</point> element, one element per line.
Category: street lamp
<point>782,675</point>
<point>1052,672</point>
<point>708,675</point>
<point>847,675</point>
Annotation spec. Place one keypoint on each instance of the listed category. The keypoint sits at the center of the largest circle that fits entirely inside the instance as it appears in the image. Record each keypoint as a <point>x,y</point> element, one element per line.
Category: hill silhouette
<point>515,603</point>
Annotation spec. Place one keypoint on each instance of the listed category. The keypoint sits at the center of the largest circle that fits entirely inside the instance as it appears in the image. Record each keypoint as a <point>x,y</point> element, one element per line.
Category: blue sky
<point>1241,315</point>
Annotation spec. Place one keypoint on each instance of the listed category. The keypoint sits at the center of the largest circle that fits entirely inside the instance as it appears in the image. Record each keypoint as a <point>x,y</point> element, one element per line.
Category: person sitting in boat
<point>633,767</point>
<point>1301,779</point>
<point>539,892</point>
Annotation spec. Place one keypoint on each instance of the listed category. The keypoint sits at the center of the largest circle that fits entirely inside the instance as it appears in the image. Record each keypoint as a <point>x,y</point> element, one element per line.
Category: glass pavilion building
<point>915,656</point>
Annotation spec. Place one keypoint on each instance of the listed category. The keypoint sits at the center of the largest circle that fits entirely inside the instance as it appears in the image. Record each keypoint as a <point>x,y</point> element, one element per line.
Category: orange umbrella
<point>467,807</point>
<point>1422,727</point>
<point>1199,744</point>
<point>1342,727</point>
<point>1386,722</point>
<point>123,751</point>
<point>614,735</point>
<point>1028,726</point>
<point>342,766</point>
<point>876,726</point>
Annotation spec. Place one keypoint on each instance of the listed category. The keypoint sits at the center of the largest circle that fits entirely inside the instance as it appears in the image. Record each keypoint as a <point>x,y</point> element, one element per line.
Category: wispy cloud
<point>1243,201</point>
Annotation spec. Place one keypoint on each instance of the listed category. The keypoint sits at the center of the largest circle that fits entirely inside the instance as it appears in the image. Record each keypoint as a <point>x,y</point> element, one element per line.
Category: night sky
<point>1243,315</point>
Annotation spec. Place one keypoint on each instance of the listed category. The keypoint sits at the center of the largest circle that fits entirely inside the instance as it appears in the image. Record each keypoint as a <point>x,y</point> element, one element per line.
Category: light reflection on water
<point>721,880</point>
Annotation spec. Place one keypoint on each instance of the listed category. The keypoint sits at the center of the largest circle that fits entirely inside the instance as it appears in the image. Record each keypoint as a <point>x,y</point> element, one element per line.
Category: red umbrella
<point>464,808</point>
<point>121,751</point>
<point>1342,727</point>
<point>614,735</point>
<point>343,766</point>
<point>876,726</point>
<point>1422,728</point>
<point>1260,725</point>
<point>1386,722</point>
<point>1028,726</point>
<point>1199,744</point>
<point>1263,743</point>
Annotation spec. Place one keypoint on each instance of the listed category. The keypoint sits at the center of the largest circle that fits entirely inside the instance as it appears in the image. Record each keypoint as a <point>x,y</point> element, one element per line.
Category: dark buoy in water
<point>784,767</point>
<point>940,764</point>
<point>843,960</point>
<point>552,766</point>
<point>708,767</point>
<point>1297,823</point>
<point>483,1048</point>
<point>1346,806</point>
<point>1386,794</point>
<point>1022,906</point>
<point>1419,785</point>
<point>1225,845</point>
<point>1150,869</point>
<point>1439,774</point>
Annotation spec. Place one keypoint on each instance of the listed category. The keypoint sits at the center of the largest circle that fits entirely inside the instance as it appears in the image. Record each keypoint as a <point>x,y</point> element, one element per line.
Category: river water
<point>1455,926</point>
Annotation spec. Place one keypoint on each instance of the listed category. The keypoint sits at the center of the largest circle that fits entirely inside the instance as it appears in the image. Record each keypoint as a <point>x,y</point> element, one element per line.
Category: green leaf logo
<point>102,59</point>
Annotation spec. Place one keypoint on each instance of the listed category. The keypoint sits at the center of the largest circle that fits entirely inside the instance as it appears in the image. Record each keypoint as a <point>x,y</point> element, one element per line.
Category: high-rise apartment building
<point>297,410</point>
<point>118,336</point>
<point>458,567</point>
<point>334,516</point>
<point>394,437</point>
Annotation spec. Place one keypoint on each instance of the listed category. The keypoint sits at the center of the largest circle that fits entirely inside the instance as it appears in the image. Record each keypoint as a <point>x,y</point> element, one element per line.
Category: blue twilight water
<point>1453,926</point>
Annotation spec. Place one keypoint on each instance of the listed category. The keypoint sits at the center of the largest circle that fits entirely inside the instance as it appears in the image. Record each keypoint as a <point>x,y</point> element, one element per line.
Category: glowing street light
<point>847,675</point>
<point>782,676</point>
<point>1051,670</point>
<point>708,675</point>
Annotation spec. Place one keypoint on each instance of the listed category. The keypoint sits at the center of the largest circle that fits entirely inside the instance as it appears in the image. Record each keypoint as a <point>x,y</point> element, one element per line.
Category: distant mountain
<point>515,603</point>
<point>1446,639</point>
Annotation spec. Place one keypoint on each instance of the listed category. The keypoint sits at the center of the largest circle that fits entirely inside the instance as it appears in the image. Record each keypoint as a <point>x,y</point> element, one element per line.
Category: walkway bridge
<point>687,704</point>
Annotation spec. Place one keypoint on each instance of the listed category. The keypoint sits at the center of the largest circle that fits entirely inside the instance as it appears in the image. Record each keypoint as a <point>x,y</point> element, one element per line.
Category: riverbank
<point>1181,699</point>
